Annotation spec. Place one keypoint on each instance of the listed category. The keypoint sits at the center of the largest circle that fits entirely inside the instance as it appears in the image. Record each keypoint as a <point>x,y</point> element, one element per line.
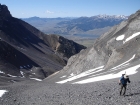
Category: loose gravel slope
<point>39,93</point>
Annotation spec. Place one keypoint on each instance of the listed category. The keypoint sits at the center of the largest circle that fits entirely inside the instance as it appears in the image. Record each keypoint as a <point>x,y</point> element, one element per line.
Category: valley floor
<point>42,93</point>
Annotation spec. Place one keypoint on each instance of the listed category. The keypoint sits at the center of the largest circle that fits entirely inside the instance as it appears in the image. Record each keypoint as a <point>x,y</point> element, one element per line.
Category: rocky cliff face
<point>114,51</point>
<point>4,12</point>
<point>63,46</point>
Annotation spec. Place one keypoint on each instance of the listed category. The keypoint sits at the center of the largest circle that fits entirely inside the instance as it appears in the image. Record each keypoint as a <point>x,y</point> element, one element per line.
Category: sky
<point>70,8</point>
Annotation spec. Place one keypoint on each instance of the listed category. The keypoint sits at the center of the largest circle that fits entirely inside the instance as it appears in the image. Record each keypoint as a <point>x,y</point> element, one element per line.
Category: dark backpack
<point>124,81</point>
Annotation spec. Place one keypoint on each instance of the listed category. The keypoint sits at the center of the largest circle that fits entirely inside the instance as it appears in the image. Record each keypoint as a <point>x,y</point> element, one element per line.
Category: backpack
<point>122,80</point>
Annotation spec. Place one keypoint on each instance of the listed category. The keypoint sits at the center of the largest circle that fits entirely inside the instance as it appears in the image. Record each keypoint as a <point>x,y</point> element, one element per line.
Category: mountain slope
<point>25,51</point>
<point>114,53</point>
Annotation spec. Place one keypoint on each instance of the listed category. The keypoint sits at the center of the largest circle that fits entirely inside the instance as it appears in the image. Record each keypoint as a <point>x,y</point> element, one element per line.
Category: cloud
<point>49,12</point>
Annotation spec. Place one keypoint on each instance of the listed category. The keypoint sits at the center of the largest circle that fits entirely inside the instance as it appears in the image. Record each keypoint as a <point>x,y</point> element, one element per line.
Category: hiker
<point>123,82</point>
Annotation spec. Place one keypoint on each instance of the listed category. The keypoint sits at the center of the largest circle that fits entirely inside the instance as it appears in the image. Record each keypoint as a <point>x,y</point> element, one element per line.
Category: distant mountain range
<point>88,27</point>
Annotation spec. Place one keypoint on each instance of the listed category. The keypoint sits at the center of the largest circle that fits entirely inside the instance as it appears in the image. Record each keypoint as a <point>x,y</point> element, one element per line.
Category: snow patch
<point>36,79</point>
<point>24,66</point>
<point>121,37</point>
<point>121,66</point>
<point>99,74</point>
<point>22,73</point>
<point>21,48</point>
<point>129,71</point>
<point>2,72</point>
<point>124,62</point>
<point>72,74</point>
<point>2,92</point>
<point>63,76</point>
<point>82,74</point>
<point>131,37</point>
<point>11,75</point>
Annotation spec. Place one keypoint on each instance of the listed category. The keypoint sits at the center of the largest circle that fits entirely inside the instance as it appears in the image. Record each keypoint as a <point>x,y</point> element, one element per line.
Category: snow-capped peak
<point>104,16</point>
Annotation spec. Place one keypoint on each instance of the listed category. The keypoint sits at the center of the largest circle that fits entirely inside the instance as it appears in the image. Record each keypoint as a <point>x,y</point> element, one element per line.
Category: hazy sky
<point>70,8</point>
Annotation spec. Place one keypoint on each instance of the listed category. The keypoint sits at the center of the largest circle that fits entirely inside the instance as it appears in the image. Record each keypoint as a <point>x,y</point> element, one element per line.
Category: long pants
<point>123,87</point>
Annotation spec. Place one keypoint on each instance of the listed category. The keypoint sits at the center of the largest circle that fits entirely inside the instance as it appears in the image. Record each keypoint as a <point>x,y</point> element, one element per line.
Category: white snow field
<point>2,92</point>
<point>105,75</point>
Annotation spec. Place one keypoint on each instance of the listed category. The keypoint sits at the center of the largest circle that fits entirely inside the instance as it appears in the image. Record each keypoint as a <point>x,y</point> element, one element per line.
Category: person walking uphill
<point>123,82</point>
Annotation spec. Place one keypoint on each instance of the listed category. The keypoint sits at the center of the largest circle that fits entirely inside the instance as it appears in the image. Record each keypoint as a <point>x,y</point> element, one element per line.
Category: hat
<point>126,76</point>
